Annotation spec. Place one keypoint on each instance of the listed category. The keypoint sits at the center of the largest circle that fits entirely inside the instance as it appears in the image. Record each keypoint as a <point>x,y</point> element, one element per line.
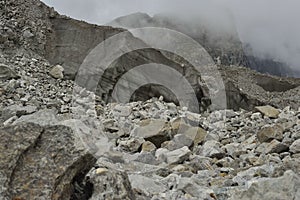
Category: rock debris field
<point>60,141</point>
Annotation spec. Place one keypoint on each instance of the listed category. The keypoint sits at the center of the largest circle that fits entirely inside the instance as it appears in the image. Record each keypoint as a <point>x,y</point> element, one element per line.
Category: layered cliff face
<point>70,41</point>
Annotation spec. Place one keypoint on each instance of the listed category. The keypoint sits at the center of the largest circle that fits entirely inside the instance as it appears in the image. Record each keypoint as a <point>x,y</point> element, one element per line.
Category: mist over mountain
<point>221,42</point>
<point>264,26</point>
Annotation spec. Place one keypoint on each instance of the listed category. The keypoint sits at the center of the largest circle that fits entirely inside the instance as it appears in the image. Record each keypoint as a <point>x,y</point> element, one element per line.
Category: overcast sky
<point>272,27</point>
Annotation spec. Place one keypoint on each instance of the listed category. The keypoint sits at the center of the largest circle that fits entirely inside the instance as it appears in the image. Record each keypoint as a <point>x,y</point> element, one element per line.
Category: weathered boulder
<point>110,184</point>
<point>178,156</point>
<point>295,147</point>
<point>57,72</point>
<point>268,133</point>
<point>268,111</point>
<point>285,187</point>
<point>155,131</point>
<point>40,162</point>
<point>7,72</point>
<point>197,134</point>
<point>145,185</point>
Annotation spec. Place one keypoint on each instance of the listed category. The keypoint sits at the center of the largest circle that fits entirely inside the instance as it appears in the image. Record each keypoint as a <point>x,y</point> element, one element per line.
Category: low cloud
<point>271,27</point>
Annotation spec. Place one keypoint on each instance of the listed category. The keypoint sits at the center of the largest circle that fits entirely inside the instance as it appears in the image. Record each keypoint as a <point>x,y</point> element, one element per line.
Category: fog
<point>271,27</point>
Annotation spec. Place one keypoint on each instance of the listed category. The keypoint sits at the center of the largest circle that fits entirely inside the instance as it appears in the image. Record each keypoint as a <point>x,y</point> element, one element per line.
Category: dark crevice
<point>82,187</point>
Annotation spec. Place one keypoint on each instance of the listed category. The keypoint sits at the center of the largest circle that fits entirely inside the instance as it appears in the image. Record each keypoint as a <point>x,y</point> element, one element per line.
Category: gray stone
<point>28,34</point>
<point>160,154</point>
<point>7,73</point>
<point>178,142</point>
<point>268,111</point>
<point>110,184</point>
<point>152,130</point>
<point>178,156</point>
<point>122,111</point>
<point>285,187</point>
<point>40,162</point>
<point>197,134</point>
<point>295,147</point>
<point>145,185</point>
<point>43,118</point>
<point>267,133</point>
<point>212,149</point>
<point>57,72</point>
<point>131,144</point>
<point>148,147</point>
<point>273,147</point>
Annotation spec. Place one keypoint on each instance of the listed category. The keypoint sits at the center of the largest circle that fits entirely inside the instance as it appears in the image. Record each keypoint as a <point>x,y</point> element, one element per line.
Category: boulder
<point>273,147</point>
<point>57,72</point>
<point>145,185</point>
<point>40,162</point>
<point>7,72</point>
<point>148,147</point>
<point>154,131</point>
<point>197,134</point>
<point>178,156</point>
<point>178,142</point>
<point>131,145</point>
<point>295,147</point>
<point>268,111</point>
<point>42,117</point>
<point>284,187</point>
<point>212,149</point>
<point>268,133</point>
<point>110,184</point>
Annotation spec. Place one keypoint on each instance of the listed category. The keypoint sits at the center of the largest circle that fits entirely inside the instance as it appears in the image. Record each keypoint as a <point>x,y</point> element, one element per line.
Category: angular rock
<point>284,187</point>
<point>273,147</point>
<point>268,111</point>
<point>178,156</point>
<point>145,185</point>
<point>110,184</point>
<point>267,133</point>
<point>178,142</point>
<point>44,162</point>
<point>212,149</point>
<point>17,110</point>
<point>152,130</point>
<point>295,147</point>
<point>42,117</point>
<point>122,111</point>
<point>57,72</point>
<point>147,158</point>
<point>7,73</point>
<point>132,144</point>
<point>197,134</point>
<point>148,147</point>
